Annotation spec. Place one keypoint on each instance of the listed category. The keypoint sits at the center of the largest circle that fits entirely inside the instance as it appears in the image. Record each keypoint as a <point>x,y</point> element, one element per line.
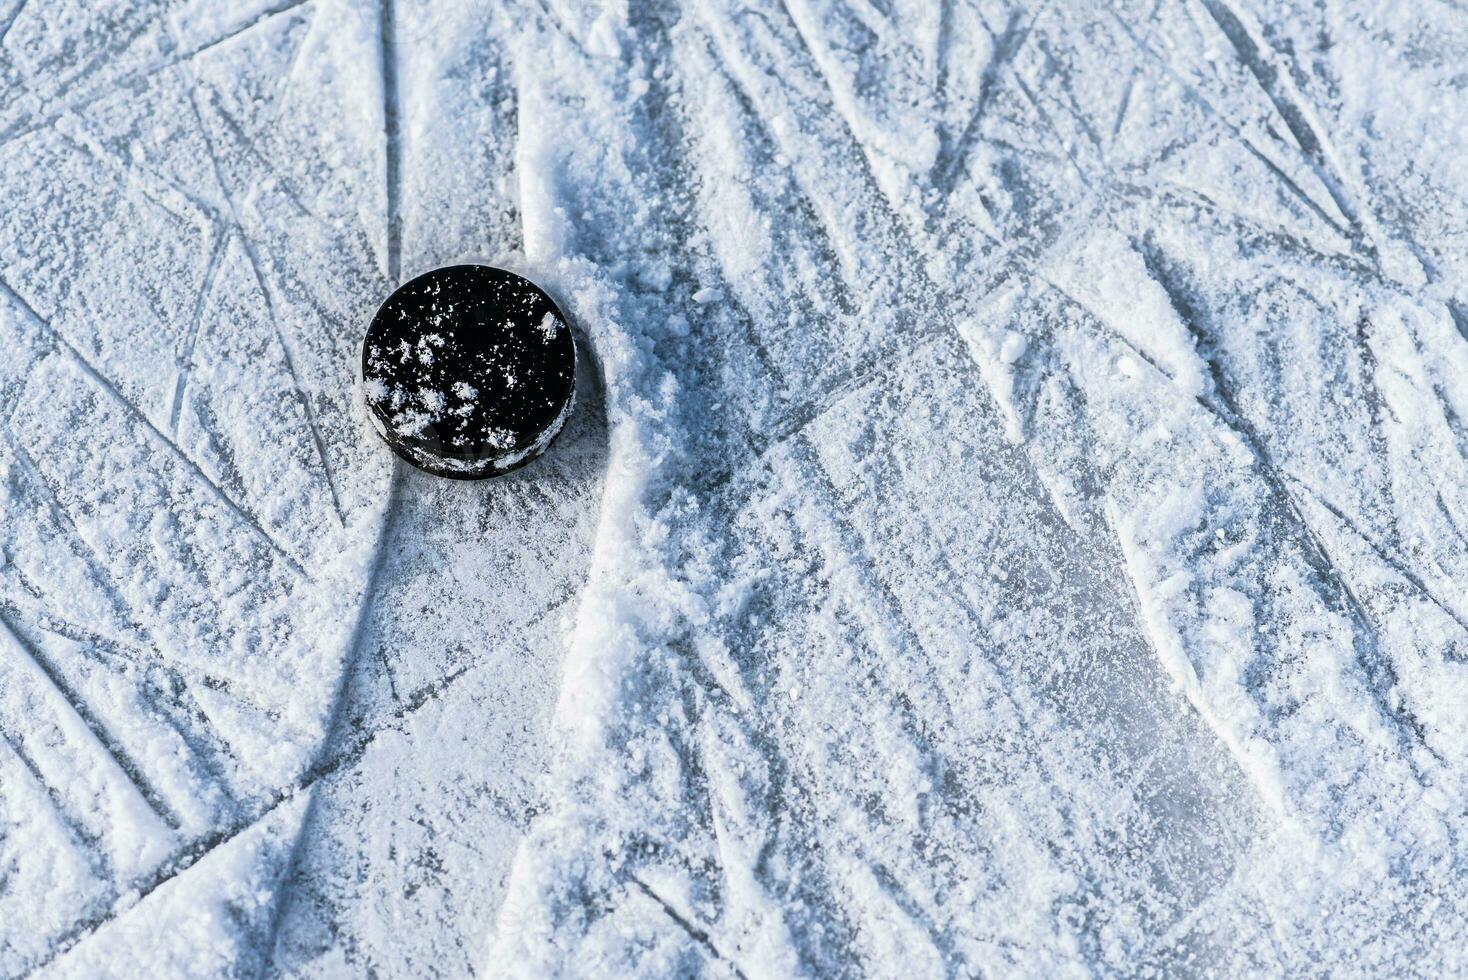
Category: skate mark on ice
<point>698,935</point>
<point>1374,663</point>
<point>120,757</point>
<point>186,356</point>
<point>213,489</point>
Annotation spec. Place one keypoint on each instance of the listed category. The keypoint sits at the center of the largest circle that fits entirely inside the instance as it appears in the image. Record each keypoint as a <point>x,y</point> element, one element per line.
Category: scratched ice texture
<point>1016,522</point>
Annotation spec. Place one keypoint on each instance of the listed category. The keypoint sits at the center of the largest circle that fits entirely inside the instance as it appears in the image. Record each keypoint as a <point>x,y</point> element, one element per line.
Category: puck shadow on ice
<point>456,558</point>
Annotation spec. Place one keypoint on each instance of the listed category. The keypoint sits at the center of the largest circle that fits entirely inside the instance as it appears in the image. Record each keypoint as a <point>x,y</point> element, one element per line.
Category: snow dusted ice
<point>1013,522</point>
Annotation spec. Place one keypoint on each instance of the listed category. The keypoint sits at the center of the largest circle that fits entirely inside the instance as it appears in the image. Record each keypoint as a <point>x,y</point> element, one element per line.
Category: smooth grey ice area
<point>1014,521</point>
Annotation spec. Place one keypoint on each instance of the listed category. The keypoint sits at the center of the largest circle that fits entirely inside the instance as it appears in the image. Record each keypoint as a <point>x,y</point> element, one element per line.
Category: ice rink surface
<point>1015,524</point>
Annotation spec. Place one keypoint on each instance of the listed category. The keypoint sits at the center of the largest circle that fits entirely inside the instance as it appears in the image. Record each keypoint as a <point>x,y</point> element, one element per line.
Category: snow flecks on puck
<point>460,374</point>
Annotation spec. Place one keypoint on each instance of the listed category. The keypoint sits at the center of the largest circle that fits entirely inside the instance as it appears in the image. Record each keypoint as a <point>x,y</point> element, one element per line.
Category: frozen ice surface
<point>1017,526</point>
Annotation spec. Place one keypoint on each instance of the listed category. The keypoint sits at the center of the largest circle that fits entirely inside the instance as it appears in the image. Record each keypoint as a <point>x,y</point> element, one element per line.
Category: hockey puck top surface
<point>468,371</point>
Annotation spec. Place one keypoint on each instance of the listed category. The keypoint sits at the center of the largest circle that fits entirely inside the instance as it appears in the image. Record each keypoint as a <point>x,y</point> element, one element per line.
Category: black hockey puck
<point>468,371</point>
